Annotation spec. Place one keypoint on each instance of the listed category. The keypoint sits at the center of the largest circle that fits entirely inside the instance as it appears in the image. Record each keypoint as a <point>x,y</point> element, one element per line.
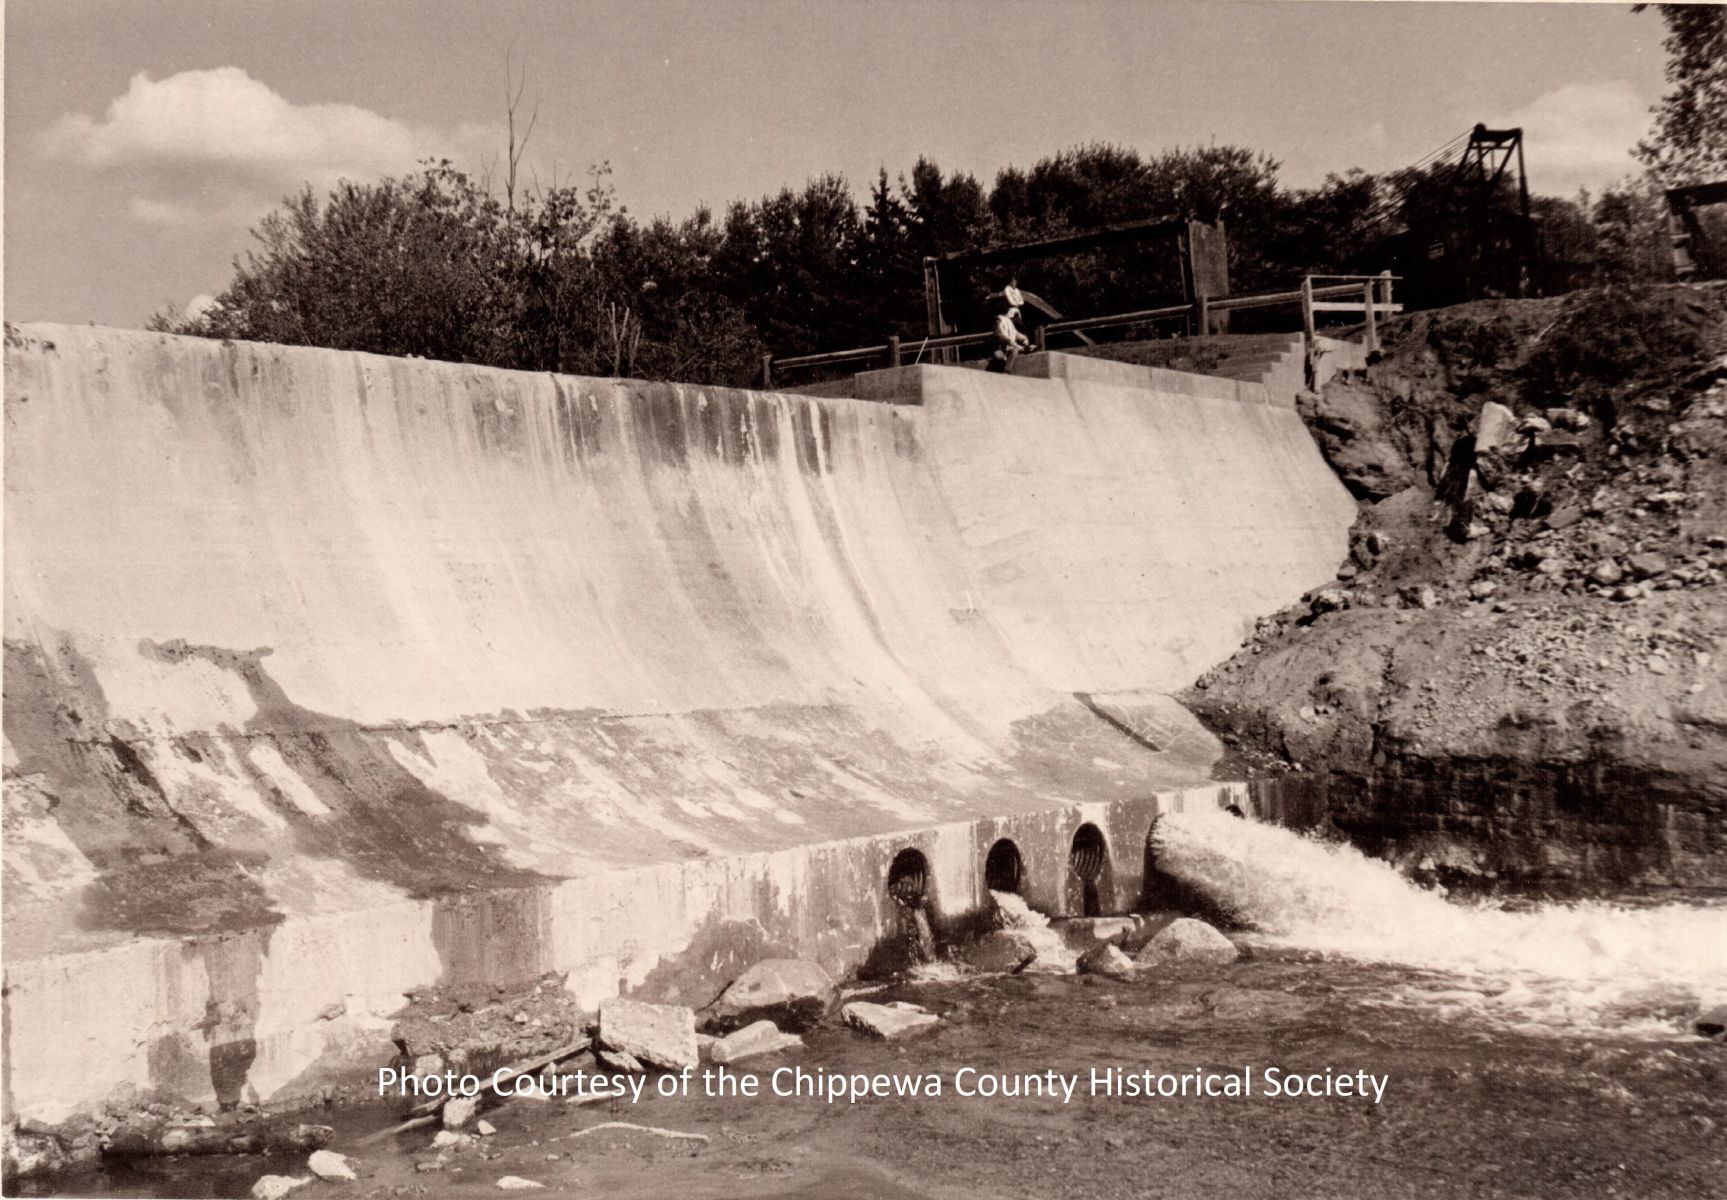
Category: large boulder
<point>1187,941</point>
<point>659,1035</point>
<point>790,992</point>
<point>763,1037</point>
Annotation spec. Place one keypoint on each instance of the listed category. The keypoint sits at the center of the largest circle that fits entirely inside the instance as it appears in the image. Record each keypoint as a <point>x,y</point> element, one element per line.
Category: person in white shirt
<point>1010,342</point>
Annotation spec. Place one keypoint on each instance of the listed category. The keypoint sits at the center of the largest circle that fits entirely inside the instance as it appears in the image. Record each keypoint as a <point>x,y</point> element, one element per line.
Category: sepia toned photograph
<point>865,600</point>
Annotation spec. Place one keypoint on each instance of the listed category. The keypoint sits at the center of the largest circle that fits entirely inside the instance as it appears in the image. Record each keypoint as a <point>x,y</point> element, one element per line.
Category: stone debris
<point>274,1187</point>
<point>1495,427</point>
<point>792,993</point>
<point>762,1037</point>
<point>327,1164</point>
<point>485,1129</point>
<point>1186,940</point>
<point>1000,952</point>
<point>447,1139</point>
<point>515,1183</point>
<point>1081,934</point>
<point>632,1127</point>
<point>889,1022</point>
<point>1712,1021</point>
<point>618,1060</point>
<point>460,1110</point>
<point>1107,960</point>
<point>658,1035</point>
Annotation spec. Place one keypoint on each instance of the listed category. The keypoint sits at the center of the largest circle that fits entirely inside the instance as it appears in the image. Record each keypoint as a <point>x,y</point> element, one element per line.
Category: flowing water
<point>1590,966</point>
<point>1352,969</point>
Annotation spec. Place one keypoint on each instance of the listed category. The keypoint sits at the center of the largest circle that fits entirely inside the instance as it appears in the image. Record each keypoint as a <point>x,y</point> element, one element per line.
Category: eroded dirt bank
<point>1518,671</point>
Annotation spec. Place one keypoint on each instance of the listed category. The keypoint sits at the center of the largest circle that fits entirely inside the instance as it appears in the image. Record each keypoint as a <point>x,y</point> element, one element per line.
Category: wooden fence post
<point>1367,291</point>
<point>767,371</point>
<point>1042,339</point>
<point>1307,325</point>
<point>1202,314</point>
<point>893,359</point>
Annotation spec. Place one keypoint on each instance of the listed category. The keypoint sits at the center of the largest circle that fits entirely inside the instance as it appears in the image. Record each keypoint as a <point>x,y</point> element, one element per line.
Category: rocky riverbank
<point>1517,675</point>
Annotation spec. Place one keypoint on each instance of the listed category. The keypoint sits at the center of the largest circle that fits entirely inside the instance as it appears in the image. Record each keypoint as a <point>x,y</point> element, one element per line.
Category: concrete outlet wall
<point>329,676</point>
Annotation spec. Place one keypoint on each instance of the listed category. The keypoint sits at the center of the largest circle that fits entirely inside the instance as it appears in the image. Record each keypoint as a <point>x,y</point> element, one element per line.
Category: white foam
<point>1595,964</point>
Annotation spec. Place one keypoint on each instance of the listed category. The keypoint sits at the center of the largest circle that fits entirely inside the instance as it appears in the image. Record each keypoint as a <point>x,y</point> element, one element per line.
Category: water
<point>1053,955</point>
<point>1592,966</point>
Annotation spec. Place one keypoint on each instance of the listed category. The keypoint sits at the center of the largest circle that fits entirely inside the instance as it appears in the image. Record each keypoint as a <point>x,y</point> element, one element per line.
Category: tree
<point>1689,141</point>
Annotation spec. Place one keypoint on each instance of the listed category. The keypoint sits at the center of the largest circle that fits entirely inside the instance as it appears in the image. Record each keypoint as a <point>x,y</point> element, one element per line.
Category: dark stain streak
<point>1119,726</point>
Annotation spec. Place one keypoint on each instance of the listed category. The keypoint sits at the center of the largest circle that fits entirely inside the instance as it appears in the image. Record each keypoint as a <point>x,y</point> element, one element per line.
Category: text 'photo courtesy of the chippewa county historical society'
<point>876,601</point>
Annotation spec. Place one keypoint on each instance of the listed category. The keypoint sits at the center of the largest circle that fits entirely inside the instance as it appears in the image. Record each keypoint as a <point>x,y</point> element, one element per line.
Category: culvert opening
<point>1086,865</point>
<point>908,879</point>
<point>908,888</point>
<point>1002,867</point>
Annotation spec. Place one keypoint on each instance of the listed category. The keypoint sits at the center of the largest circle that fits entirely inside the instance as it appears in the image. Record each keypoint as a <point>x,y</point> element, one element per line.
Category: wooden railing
<point>1366,294</point>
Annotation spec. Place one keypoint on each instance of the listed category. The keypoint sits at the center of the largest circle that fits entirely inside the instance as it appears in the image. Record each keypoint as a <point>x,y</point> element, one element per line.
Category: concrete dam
<point>330,676</point>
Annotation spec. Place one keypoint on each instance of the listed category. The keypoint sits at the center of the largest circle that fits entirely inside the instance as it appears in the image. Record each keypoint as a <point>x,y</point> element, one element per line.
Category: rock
<point>617,1060</point>
<point>427,1165</point>
<point>460,1110</point>
<point>449,1140</point>
<point>485,1129</point>
<point>1565,516</point>
<point>1420,596</point>
<point>1188,941</point>
<point>1107,960</point>
<point>1628,591</point>
<point>660,1035</point>
<point>29,1154</point>
<point>1495,427</point>
<point>327,1164</point>
<point>1482,589</point>
<point>1362,449</point>
<point>1712,1021</point>
<point>1606,573</point>
<point>1647,565</point>
<point>1085,933</point>
<point>1377,542</point>
<point>1555,442</point>
<point>274,1187</point>
<point>889,1022</point>
<point>1329,600</point>
<point>763,1037</point>
<point>1658,664</point>
<point>1534,424</point>
<point>792,993</point>
<point>515,1183</point>
<point>1001,950</point>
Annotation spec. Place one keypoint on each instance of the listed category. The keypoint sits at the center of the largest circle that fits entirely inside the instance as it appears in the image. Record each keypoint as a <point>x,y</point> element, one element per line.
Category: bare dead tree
<point>514,84</point>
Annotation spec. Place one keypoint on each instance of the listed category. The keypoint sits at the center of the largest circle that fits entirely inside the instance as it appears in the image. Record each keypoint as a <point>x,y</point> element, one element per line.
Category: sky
<point>145,138</point>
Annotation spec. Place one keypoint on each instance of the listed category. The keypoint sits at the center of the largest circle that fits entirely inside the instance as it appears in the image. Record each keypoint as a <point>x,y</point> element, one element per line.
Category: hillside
<point>1518,671</point>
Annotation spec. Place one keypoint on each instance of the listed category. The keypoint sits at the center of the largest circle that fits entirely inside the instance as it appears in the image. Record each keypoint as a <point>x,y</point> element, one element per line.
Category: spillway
<point>330,676</point>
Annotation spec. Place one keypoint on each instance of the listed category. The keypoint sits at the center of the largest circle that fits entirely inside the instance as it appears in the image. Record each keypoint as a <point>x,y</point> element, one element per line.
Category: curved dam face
<point>329,676</point>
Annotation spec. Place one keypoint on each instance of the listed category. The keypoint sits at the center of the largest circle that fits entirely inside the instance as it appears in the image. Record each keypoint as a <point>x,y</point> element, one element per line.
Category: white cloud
<point>218,143</point>
<point>1580,135</point>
